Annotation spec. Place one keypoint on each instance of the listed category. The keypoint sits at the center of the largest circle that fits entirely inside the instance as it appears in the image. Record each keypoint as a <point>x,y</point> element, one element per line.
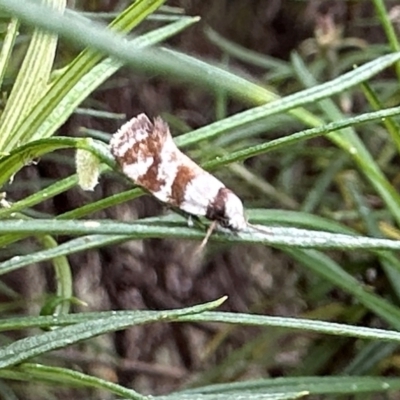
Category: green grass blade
<point>277,236</point>
<point>149,59</point>
<point>390,124</point>
<point>388,27</point>
<point>237,396</point>
<point>47,193</point>
<point>81,65</point>
<point>24,155</point>
<point>117,232</point>
<point>8,45</point>
<point>68,91</point>
<point>369,357</point>
<point>315,385</point>
<point>64,376</point>
<point>330,328</point>
<point>201,313</point>
<point>29,347</point>
<point>295,100</point>
<point>283,142</point>
<point>352,144</point>
<point>390,262</point>
<point>324,266</point>
<point>244,54</point>
<point>63,277</point>
<point>32,77</point>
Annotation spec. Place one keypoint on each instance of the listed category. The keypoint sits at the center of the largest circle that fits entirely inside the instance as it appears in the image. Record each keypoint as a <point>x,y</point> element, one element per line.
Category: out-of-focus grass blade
<point>390,124</point>
<point>82,64</point>
<point>369,357</point>
<point>289,102</point>
<point>67,98</point>
<point>352,144</point>
<point>246,55</point>
<point>172,64</point>
<point>390,262</point>
<point>324,266</point>
<point>32,77</point>
<point>36,198</point>
<point>63,277</point>
<point>389,29</point>
<point>7,47</point>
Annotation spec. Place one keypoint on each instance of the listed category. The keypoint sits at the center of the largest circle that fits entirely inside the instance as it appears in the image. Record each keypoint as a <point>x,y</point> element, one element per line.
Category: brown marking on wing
<point>150,145</point>
<point>183,176</point>
<point>216,209</point>
<point>154,144</point>
<point>149,180</point>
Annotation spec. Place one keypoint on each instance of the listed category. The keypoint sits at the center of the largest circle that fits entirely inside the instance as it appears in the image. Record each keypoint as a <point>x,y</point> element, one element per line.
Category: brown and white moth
<point>147,154</point>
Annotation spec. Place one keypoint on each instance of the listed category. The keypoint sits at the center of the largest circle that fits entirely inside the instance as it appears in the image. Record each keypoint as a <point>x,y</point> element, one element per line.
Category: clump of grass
<point>42,99</point>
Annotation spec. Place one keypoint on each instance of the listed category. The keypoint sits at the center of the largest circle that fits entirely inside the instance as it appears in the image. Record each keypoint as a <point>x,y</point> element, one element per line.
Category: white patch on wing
<point>235,213</point>
<point>136,170</point>
<point>171,160</point>
<point>200,192</point>
<point>121,142</point>
<point>126,136</point>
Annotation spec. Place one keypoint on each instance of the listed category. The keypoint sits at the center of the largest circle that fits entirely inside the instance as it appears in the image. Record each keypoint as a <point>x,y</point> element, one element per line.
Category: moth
<point>147,154</point>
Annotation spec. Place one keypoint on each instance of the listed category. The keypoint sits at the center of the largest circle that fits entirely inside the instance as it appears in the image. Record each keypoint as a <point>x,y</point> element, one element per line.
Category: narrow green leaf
<point>169,63</point>
<point>313,384</point>
<point>389,123</point>
<point>309,325</point>
<point>36,198</point>
<point>282,236</point>
<point>63,277</point>
<point>25,154</point>
<point>116,232</point>
<point>388,28</point>
<point>32,77</point>
<point>324,266</point>
<point>297,137</point>
<point>64,376</point>
<point>26,348</point>
<point>71,77</point>
<point>62,98</point>
<point>7,47</point>
<point>352,144</point>
<point>236,396</point>
<point>301,98</point>
<point>102,204</point>
<point>246,55</point>
<point>369,357</point>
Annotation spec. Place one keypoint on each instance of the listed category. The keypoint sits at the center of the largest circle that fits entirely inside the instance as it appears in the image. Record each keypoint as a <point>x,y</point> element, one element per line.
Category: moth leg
<point>194,221</point>
<point>210,230</point>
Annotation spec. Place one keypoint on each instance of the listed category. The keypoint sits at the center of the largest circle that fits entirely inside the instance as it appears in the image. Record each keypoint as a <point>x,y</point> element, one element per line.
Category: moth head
<point>227,209</point>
